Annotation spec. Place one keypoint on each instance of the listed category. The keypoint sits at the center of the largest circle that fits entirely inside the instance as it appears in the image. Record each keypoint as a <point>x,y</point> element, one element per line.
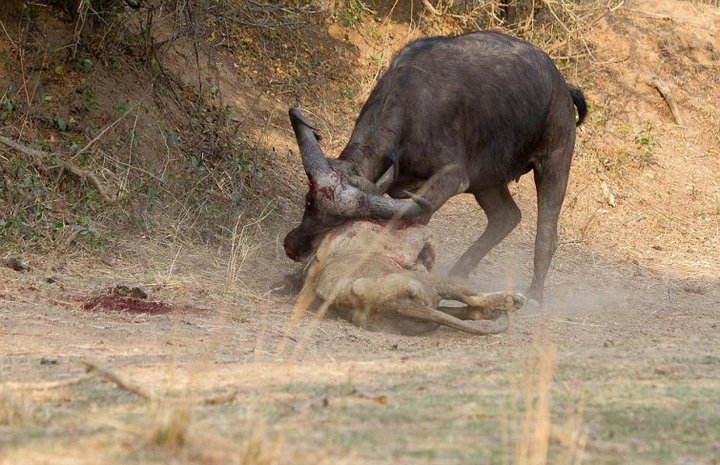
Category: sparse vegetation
<point>169,425</point>
<point>645,142</point>
<point>160,142</point>
<point>353,13</point>
<point>16,410</point>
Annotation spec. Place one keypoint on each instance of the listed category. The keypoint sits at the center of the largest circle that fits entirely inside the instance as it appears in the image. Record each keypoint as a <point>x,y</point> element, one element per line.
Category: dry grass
<point>616,386</point>
<point>532,447</point>
<point>258,449</point>
<point>106,157</point>
<point>169,424</point>
<point>16,409</point>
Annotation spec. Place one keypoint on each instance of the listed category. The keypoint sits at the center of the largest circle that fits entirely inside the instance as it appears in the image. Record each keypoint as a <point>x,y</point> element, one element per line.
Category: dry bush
<point>555,26</point>
<point>156,150</point>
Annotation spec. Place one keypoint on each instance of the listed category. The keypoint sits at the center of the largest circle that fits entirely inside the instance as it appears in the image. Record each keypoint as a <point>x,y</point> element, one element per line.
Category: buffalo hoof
<point>532,306</point>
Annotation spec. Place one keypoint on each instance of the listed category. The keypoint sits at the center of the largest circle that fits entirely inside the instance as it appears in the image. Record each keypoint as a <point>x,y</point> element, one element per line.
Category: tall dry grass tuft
<point>169,424</point>
<point>532,444</point>
<point>258,450</point>
<point>15,408</point>
<point>571,436</point>
<point>531,415</point>
<point>530,434</point>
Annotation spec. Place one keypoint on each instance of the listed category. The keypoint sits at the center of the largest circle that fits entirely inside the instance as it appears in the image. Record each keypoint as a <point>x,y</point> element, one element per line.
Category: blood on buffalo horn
<point>338,197</point>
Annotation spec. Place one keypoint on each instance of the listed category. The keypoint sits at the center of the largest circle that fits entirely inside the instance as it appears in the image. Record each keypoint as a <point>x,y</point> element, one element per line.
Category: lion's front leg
<point>507,301</point>
<point>479,305</point>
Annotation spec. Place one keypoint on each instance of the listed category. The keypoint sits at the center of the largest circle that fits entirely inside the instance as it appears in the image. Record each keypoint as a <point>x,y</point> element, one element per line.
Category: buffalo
<point>450,115</point>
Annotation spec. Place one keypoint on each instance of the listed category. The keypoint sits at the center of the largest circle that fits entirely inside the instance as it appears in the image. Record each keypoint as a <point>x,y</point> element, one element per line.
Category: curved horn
<point>385,181</point>
<point>338,196</point>
<point>386,208</point>
<point>351,202</point>
<point>313,159</point>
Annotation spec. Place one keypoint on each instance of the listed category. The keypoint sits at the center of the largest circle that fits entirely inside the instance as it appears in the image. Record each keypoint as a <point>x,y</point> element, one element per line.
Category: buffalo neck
<point>371,155</point>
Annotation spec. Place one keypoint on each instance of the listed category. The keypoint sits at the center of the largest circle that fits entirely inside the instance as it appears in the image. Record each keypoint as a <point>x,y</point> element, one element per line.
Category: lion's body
<point>380,279</point>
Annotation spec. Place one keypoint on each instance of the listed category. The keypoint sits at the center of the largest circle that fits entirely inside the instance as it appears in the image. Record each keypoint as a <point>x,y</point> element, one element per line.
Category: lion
<point>380,279</point>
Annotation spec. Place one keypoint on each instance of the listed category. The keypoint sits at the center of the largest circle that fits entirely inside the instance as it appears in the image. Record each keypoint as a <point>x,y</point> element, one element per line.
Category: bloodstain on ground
<point>126,304</point>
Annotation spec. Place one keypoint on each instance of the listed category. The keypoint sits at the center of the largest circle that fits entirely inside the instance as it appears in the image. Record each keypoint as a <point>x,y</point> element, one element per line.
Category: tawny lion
<point>379,279</point>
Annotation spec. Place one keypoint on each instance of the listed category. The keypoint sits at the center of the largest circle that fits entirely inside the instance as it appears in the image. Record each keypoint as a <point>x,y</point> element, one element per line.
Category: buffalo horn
<point>346,200</point>
<point>358,204</point>
<point>313,159</point>
<point>385,181</point>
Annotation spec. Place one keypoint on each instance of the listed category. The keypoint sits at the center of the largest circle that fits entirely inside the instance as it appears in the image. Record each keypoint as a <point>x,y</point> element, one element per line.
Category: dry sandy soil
<point>622,366</point>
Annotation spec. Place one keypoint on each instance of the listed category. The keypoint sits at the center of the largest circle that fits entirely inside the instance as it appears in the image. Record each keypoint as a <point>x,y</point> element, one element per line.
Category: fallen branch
<point>46,386</point>
<point>39,157</point>
<point>429,7</point>
<point>151,396</point>
<point>119,382</point>
<point>666,93</point>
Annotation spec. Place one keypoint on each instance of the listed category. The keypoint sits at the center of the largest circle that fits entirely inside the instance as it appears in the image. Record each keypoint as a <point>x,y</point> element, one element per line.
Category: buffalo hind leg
<point>502,214</point>
<point>551,179</point>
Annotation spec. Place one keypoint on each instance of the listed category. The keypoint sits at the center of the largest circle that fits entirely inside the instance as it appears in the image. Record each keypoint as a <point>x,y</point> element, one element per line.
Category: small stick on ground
<point>319,401</point>
<point>46,386</point>
<point>119,382</point>
<point>148,395</point>
<point>666,93</point>
<point>213,400</point>
<point>379,398</point>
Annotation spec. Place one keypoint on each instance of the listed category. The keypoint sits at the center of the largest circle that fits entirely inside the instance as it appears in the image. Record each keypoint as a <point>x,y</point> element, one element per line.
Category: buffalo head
<point>334,197</point>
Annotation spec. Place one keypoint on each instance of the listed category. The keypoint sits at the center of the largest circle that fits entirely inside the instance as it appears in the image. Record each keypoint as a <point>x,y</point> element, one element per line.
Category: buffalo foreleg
<point>502,214</point>
<point>444,184</point>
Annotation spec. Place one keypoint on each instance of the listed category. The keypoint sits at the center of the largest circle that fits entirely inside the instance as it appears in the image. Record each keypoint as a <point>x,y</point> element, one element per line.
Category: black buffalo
<point>451,115</point>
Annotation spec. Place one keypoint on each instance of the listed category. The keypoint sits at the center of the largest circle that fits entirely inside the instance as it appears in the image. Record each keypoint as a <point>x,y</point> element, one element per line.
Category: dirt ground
<point>633,357</point>
<point>621,366</point>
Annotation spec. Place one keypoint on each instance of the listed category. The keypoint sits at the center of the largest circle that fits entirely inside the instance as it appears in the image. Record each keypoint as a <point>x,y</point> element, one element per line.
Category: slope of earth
<point>621,367</point>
